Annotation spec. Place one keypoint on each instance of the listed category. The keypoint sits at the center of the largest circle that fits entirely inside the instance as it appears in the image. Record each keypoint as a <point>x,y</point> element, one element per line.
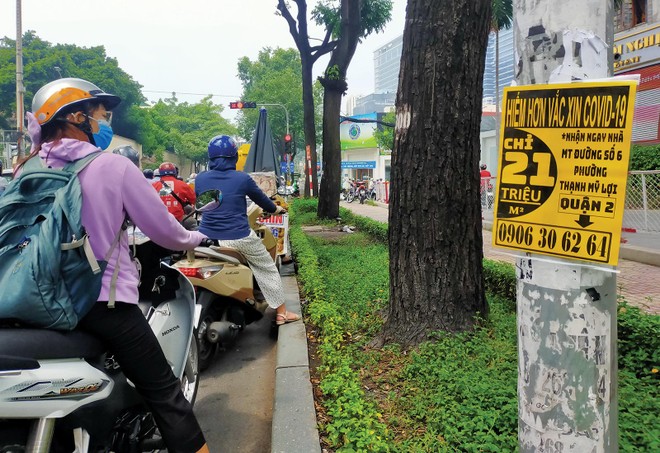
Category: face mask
<point>104,136</point>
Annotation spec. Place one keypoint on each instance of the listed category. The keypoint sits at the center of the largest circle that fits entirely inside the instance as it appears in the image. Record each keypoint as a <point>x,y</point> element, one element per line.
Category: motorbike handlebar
<point>207,242</point>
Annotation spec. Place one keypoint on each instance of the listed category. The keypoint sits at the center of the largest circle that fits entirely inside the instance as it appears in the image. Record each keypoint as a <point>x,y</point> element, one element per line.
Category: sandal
<point>283,318</point>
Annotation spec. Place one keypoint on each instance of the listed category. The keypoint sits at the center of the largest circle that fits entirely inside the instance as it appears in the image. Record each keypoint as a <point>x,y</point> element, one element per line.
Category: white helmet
<point>56,96</point>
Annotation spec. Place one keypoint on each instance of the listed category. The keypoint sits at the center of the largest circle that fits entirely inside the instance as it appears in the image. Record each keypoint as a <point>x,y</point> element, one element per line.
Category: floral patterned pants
<point>262,265</point>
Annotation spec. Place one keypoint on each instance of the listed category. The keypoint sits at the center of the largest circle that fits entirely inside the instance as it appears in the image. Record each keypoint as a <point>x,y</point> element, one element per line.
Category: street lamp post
<point>19,81</point>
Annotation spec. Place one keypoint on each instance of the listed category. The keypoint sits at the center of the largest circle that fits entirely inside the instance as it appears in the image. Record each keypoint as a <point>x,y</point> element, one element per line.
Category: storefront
<point>637,51</point>
<point>360,155</point>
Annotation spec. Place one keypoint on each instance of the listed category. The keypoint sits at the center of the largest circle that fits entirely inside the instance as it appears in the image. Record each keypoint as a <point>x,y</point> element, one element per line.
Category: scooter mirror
<point>209,200</point>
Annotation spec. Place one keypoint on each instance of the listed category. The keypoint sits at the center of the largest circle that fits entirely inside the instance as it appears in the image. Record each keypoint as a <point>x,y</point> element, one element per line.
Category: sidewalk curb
<point>627,252</point>
<point>294,417</point>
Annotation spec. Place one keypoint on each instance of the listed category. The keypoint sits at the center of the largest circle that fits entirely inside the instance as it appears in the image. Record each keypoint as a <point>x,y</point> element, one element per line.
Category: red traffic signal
<point>287,138</point>
<point>242,105</point>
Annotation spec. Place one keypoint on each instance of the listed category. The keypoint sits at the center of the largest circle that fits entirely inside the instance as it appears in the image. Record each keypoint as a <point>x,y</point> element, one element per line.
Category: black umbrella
<point>262,155</point>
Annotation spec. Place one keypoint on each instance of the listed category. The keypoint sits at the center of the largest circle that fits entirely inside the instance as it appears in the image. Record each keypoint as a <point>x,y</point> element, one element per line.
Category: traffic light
<point>242,105</point>
<point>287,143</point>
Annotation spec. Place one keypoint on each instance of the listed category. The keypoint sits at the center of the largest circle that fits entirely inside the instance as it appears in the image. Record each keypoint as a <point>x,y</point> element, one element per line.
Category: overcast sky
<point>189,46</point>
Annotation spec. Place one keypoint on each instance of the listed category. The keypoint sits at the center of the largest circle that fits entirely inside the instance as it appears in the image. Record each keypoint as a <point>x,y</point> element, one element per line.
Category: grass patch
<point>455,393</point>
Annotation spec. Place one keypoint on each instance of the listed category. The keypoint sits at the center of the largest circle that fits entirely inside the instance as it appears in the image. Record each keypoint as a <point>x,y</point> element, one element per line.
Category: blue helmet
<point>222,146</point>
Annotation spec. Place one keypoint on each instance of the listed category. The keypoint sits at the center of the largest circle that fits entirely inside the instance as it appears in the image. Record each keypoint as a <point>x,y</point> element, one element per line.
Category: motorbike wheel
<point>206,349</point>
<point>350,197</point>
<point>190,378</point>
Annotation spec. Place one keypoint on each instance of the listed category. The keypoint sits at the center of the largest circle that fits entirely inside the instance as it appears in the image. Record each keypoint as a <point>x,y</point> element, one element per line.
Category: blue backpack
<point>49,276</point>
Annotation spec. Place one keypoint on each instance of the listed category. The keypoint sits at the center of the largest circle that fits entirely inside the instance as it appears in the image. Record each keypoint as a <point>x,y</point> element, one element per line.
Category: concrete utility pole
<point>567,384</point>
<point>19,82</point>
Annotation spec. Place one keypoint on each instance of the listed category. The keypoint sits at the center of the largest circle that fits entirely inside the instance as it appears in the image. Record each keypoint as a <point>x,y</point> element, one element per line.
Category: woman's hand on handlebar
<point>207,242</point>
<point>279,210</point>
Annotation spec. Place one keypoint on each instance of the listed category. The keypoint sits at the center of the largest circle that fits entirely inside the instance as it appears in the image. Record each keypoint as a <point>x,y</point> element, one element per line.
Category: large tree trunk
<point>334,85</point>
<point>435,236</point>
<point>308,120</point>
<point>330,183</point>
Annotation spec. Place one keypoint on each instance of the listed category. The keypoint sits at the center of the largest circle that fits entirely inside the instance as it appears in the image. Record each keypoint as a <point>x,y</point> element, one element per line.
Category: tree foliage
<point>182,128</point>
<point>274,78</point>
<point>43,62</point>
<point>645,157</point>
<point>502,15</point>
<point>385,134</point>
<point>374,14</point>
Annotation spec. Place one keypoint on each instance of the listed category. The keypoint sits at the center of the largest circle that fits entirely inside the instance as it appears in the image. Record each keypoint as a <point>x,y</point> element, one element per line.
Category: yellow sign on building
<point>564,153</point>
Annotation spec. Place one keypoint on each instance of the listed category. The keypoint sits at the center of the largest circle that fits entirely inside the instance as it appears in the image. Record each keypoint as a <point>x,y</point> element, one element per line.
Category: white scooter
<point>60,391</point>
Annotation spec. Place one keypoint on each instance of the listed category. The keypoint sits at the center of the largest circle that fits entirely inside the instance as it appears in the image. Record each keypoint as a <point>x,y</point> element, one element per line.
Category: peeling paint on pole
<point>566,311</point>
<point>565,352</point>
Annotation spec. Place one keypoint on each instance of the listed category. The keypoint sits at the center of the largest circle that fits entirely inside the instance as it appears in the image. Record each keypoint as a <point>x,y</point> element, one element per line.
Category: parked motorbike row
<point>61,391</point>
<point>359,190</point>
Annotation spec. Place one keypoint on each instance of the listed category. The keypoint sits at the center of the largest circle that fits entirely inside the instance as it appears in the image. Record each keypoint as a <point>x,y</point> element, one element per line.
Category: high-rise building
<point>387,60</point>
<point>506,65</point>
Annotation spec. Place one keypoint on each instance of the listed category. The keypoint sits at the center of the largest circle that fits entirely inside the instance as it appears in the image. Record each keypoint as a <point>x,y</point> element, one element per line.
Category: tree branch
<point>325,47</point>
<point>282,8</point>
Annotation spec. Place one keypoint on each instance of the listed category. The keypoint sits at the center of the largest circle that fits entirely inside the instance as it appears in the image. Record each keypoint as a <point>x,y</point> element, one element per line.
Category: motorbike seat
<point>42,344</point>
<point>233,253</point>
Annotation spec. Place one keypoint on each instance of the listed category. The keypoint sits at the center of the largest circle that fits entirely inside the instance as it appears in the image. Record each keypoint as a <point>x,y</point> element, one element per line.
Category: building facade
<point>501,68</point>
<point>637,52</point>
<point>387,60</point>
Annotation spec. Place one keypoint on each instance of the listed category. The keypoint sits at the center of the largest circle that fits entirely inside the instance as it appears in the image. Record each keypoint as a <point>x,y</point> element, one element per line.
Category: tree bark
<point>308,56</point>
<point>334,87</point>
<point>435,228</point>
<point>308,120</point>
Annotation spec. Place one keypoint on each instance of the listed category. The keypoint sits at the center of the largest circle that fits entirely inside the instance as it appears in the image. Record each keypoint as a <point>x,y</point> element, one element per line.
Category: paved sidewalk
<point>638,281</point>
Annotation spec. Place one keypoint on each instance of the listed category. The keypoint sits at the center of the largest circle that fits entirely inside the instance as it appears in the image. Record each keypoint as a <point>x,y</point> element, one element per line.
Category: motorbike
<point>361,192</point>
<point>62,391</point>
<point>352,193</point>
<point>226,288</point>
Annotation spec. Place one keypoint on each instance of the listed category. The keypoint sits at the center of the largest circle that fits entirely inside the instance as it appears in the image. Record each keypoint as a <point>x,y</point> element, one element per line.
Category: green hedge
<point>456,393</point>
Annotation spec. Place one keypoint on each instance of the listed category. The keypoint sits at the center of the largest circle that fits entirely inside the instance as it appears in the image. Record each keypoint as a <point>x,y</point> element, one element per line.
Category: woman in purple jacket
<point>69,120</point>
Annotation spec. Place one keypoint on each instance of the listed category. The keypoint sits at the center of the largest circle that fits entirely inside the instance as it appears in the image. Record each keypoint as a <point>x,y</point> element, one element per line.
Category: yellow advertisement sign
<point>564,153</point>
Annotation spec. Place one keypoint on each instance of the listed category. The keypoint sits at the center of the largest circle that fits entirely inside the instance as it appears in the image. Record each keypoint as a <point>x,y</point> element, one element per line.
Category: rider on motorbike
<point>229,223</point>
<point>70,120</point>
<point>129,152</point>
<point>181,194</point>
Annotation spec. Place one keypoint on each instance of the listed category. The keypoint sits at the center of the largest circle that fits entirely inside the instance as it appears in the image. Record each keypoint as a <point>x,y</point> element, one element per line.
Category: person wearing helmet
<point>229,225</point>
<point>191,180</point>
<point>129,152</point>
<point>66,123</point>
<point>180,194</point>
<point>148,173</point>
<point>485,184</point>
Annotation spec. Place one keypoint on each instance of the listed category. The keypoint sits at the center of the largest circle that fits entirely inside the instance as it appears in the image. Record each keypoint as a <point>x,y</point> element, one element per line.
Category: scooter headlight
<point>202,273</point>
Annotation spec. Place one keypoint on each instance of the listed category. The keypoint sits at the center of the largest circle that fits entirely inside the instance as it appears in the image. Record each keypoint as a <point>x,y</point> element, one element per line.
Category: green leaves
<point>453,393</point>
<point>374,15</point>
<point>502,14</point>
<point>384,134</point>
<point>40,60</point>
<point>182,127</point>
<point>273,78</point>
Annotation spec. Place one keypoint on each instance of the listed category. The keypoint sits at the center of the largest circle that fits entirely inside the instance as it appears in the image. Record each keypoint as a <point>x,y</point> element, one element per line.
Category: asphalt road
<point>234,402</point>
